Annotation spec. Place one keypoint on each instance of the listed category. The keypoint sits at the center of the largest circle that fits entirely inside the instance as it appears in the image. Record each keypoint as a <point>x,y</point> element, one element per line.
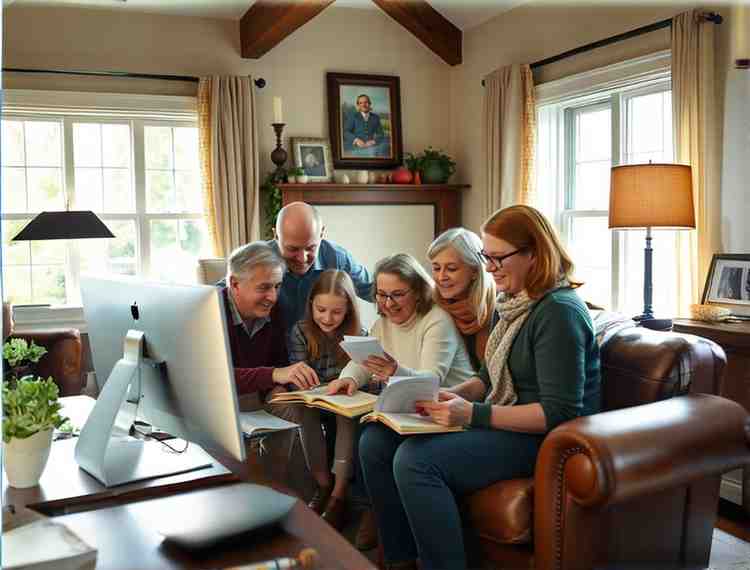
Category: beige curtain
<point>229,161</point>
<point>509,117</point>
<point>696,138</point>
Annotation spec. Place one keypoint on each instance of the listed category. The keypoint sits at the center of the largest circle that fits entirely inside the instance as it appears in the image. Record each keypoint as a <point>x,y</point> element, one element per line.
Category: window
<point>580,138</point>
<point>139,173</point>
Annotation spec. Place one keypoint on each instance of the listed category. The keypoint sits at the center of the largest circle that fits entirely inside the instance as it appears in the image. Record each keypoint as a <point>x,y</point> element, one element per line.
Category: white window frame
<point>609,86</point>
<point>68,107</point>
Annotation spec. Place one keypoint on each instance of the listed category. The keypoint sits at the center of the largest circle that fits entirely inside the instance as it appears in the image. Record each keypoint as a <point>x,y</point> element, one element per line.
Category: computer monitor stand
<point>105,449</point>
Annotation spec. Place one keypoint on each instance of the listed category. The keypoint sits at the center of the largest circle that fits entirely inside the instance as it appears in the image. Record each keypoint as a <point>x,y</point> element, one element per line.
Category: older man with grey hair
<point>257,336</point>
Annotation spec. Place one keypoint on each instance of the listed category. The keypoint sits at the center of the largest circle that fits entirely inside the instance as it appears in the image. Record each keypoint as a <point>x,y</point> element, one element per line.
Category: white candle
<point>277,117</point>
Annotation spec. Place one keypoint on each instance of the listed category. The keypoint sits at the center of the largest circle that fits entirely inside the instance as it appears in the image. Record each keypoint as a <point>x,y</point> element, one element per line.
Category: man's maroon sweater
<point>254,359</point>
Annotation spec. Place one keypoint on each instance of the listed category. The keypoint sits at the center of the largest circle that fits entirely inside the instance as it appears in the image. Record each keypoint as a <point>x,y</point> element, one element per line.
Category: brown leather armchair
<point>64,354</point>
<point>635,486</point>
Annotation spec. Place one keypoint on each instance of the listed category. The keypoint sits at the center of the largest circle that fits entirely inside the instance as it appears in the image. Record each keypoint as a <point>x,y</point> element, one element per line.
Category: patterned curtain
<point>509,117</point>
<point>229,161</point>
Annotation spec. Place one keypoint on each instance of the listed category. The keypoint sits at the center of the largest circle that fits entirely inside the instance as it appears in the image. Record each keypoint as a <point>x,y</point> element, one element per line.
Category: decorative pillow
<point>607,323</point>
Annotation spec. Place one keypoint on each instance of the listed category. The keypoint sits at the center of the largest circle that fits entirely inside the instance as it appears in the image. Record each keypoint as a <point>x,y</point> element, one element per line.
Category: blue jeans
<point>414,483</point>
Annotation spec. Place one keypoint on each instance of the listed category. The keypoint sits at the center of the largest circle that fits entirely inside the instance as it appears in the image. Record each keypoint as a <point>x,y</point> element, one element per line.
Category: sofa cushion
<point>503,512</point>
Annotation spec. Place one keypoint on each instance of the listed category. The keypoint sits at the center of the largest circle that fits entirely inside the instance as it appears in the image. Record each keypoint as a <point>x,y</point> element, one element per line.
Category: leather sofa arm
<point>615,456</point>
<point>63,360</point>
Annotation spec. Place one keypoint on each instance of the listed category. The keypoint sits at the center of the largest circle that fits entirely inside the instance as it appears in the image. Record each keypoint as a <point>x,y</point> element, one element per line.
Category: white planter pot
<point>25,459</point>
<point>291,179</point>
<point>302,179</point>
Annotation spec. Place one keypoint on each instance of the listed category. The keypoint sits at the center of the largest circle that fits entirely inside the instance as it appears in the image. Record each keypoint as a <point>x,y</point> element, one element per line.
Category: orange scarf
<point>465,318</point>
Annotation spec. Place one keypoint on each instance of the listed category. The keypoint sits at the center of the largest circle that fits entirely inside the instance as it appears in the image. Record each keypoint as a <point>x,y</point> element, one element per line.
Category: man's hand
<point>346,385</point>
<point>380,368</point>
<point>300,374</point>
<point>450,409</point>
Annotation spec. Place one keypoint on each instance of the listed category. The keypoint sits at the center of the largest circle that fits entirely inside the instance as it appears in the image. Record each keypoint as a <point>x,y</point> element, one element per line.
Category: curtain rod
<point>707,16</point>
<point>259,83</point>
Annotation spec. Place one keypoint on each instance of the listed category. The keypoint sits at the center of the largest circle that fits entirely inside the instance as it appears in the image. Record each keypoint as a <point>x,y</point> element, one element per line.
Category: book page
<point>262,421</point>
<point>399,396</point>
<point>360,347</point>
<point>344,401</point>
<point>416,423</point>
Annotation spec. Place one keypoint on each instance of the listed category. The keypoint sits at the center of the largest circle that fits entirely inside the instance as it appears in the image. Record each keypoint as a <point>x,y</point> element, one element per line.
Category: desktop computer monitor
<point>163,348</point>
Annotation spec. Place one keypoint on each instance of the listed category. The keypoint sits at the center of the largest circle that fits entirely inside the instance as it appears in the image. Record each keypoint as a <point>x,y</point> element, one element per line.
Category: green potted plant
<point>436,166</point>
<point>21,356</point>
<point>31,411</point>
<point>414,163</point>
<point>294,175</point>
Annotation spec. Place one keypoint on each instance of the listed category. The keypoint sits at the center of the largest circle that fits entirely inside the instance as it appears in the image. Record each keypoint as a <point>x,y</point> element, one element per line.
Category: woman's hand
<point>450,409</point>
<point>380,368</point>
<point>347,385</point>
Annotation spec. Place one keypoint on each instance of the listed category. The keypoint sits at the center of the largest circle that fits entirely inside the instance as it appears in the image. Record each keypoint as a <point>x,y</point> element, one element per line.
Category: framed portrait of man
<point>728,282</point>
<point>364,116</point>
<point>313,156</point>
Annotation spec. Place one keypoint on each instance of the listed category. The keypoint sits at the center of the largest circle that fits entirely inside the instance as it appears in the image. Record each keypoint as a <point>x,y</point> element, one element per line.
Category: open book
<point>360,347</point>
<point>408,424</point>
<point>261,422</point>
<point>396,405</point>
<point>350,406</point>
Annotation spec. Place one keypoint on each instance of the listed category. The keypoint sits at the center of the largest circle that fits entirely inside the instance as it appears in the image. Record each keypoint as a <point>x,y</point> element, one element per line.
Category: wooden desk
<point>127,537</point>
<point>734,338</point>
<point>65,487</point>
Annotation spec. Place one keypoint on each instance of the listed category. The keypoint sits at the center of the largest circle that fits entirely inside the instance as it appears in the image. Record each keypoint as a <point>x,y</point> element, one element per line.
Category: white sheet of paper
<point>360,347</point>
<point>402,392</point>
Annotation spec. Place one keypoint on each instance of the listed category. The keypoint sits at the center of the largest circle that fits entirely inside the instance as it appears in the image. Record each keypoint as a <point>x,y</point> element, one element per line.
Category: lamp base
<point>655,324</point>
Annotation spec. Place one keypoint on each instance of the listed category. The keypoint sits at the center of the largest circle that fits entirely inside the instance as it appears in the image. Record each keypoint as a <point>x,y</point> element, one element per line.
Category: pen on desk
<point>307,559</point>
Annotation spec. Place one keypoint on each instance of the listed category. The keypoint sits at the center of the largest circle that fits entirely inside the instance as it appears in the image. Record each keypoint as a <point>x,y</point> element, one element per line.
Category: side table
<point>734,338</point>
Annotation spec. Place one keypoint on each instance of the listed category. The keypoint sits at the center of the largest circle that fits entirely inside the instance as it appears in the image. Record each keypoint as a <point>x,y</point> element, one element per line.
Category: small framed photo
<point>313,155</point>
<point>364,120</point>
<point>728,282</point>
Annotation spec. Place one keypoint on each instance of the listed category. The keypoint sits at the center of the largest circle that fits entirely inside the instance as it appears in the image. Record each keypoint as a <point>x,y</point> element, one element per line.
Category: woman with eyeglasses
<point>542,369</point>
<point>463,288</point>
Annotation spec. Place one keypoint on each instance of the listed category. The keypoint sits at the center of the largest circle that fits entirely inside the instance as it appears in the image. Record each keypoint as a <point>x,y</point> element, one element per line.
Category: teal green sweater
<point>554,359</point>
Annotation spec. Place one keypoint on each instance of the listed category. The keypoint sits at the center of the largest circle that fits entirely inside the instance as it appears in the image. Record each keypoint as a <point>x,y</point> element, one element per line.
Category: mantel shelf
<point>333,186</point>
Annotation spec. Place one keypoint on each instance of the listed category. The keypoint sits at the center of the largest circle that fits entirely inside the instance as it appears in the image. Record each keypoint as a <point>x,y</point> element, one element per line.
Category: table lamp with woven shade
<point>646,196</point>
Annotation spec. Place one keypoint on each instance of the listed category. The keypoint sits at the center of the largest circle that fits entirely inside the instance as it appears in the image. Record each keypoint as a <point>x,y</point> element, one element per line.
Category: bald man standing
<point>299,240</point>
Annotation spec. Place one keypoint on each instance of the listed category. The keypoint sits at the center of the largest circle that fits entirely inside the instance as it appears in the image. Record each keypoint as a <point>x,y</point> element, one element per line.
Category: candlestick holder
<point>278,155</point>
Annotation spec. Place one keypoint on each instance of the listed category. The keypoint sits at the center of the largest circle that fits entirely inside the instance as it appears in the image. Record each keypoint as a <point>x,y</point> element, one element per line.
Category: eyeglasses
<point>497,260</point>
<point>395,297</point>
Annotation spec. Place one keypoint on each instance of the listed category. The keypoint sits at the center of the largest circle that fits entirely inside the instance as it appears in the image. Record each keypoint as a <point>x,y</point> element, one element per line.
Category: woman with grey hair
<point>463,288</point>
<point>416,334</point>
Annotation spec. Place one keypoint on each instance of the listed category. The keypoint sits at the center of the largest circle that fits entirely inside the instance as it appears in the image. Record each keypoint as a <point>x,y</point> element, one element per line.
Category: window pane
<point>592,185</point>
<point>158,141</point>
<point>116,146</point>
<point>12,143</point>
<point>649,127</point>
<point>590,246</point>
<point>17,284</point>
<point>186,148</point>
<point>13,190</point>
<point>43,143</point>
<point>593,135</point>
<point>48,284</point>
<point>17,252</point>
<point>160,194</point>
<point>176,246</point>
<point>87,144</point>
<point>44,252</point>
<point>45,189</point>
<point>189,196</point>
<point>89,189</point>
<point>118,195</point>
<point>117,255</point>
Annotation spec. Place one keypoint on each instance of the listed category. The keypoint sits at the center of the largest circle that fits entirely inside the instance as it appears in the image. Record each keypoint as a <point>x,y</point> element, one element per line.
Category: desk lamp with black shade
<point>648,196</point>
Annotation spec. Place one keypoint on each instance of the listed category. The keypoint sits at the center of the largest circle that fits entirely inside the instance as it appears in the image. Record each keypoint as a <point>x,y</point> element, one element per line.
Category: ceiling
<point>464,14</point>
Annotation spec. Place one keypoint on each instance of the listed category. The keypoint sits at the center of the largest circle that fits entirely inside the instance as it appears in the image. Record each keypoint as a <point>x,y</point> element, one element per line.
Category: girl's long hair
<point>331,282</point>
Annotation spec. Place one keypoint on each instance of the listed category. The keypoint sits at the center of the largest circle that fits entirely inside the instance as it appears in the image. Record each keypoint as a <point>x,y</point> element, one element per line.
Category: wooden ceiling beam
<point>428,25</point>
<point>267,22</point>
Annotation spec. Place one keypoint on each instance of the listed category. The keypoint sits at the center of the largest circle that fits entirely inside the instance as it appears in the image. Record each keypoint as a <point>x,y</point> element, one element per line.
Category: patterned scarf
<point>465,318</point>
<point>512,312</point>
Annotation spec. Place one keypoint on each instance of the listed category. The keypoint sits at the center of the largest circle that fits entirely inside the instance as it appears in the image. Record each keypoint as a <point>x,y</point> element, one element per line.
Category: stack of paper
<point>46,545</point>
<point>360,347</point>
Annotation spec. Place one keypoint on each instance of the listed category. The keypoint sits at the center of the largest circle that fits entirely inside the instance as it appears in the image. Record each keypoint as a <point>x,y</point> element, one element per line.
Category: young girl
<point>331,313</point>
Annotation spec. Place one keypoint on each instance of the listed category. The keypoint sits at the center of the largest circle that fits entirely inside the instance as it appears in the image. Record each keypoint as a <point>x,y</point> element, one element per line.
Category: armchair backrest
<point>640,366</point>
<point>211,270</point>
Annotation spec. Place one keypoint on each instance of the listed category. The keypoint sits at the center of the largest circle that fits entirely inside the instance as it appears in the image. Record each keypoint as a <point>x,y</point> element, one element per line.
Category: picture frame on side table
<point>313,155</point>
<point>728,282</point>
<point>364,119</point>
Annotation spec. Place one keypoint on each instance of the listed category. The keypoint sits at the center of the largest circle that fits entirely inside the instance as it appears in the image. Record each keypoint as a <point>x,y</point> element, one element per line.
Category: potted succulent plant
<point>21,356</point>
<point>436,166</point>
<point>294,174</point>
<point>31,411</point>
<point>414,163</point>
